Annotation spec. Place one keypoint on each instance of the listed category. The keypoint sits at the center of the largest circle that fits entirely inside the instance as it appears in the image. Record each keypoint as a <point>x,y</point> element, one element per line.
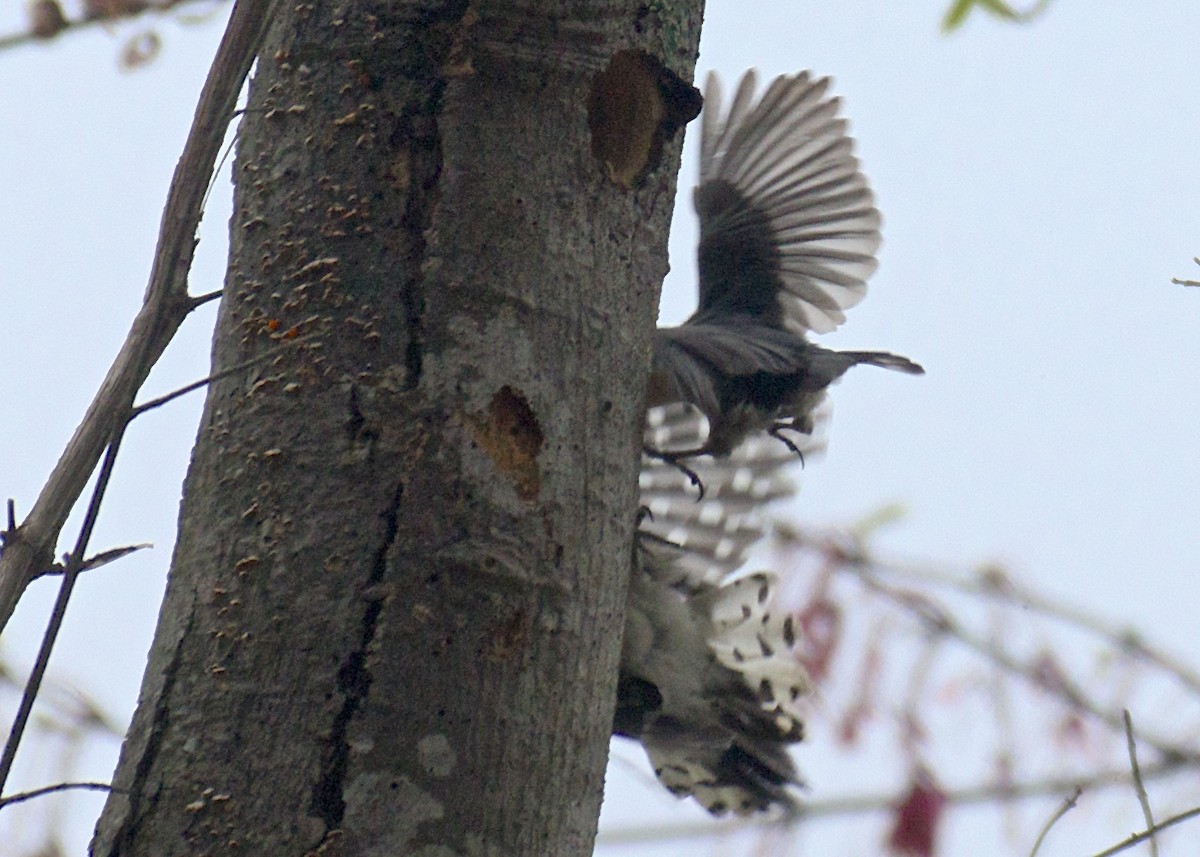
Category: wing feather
<point>788,225</point>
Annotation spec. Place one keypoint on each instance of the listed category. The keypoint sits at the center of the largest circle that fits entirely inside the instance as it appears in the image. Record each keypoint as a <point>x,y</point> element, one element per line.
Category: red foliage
<point>821,627</point>
<point>914,831</point>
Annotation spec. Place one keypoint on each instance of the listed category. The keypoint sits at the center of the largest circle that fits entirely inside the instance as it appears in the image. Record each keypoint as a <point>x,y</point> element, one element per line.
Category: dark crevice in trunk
<point>354,682</point>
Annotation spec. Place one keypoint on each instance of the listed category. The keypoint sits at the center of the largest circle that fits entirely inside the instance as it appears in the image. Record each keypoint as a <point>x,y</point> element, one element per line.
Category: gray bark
<point>395,607</point>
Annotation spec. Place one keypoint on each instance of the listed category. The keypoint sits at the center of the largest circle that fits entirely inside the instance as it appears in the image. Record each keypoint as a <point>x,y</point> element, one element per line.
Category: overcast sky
<point>1040,186</point>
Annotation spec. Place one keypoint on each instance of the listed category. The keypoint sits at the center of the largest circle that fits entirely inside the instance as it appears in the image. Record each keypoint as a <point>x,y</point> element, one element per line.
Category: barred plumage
<point>709,681</point>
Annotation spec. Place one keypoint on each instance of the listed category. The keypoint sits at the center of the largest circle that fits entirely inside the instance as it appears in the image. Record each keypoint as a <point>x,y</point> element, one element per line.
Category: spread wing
<point>788,225</point>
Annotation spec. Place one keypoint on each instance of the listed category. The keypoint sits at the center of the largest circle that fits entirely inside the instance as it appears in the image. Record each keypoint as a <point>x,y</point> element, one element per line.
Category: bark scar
<point>635,105</point>
<point>508,431</point>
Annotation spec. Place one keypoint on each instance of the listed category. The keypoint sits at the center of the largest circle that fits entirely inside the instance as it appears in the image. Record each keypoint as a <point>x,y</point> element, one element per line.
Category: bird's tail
<point>884,359</point>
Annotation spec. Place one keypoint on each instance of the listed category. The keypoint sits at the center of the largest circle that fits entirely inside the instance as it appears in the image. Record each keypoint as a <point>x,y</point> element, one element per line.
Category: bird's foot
<point>776,431</point>
<point>675,459</point>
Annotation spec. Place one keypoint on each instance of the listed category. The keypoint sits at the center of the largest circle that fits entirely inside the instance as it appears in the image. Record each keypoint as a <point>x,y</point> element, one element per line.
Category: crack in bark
<point>424,143</point>
<point>446,51</point>
<point>425,168</point>
<point>354,684</point>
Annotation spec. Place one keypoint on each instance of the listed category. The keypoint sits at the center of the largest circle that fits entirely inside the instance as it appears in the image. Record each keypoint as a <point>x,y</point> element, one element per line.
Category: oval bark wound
<point>509,433</point>
<point>635,105</point>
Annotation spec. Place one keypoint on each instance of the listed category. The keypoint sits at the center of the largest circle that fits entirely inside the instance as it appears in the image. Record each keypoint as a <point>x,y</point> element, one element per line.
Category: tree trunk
<point>395,607</point>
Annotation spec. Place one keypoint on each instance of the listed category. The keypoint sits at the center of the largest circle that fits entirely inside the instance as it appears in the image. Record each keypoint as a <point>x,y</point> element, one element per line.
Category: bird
<point>788,237</point>
<point>710,680</point>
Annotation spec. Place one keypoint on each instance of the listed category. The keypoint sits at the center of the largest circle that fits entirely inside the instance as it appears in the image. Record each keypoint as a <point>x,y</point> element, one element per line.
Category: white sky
<point>1040,186</point>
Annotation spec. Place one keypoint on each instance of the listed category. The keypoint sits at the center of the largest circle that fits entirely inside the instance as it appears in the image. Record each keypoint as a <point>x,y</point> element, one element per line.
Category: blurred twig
<point>881,803</point>
<point>851,556</point>
<point>48,21</point>
<point>993,583</point>
<point>1138,785</point>
<point>1070,692</point>
<point>1066,806</point>
<point>1149,833</point>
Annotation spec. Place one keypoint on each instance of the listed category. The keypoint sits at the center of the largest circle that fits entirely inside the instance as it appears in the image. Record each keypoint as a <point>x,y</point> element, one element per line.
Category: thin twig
<point>70,575</point>
<point>21,797</point>
<point>1149,833</point>
<point>30,547</point>
<point>158,402</point>
<point>1070,693</point>
<point>95,560</point>
<point>201,300</point>
<point>1138,785</point>
<point>991,583</point>
<point>1066,806</point>
<point>1180,282</point>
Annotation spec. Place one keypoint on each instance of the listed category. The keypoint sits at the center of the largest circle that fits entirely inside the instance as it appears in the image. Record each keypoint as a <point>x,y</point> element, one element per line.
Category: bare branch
<point>880,803</point>
<point>95,560</point>
<point>1139,786</point>
<point>1066,806</point>
<point>70,575</point>
<point>166,398</point>
<point>44,29</point>
<point>1177,281</point>
<point>937,620</point>
<point>30,546</point>
<point>1149,833</point>
<point>21,797</point>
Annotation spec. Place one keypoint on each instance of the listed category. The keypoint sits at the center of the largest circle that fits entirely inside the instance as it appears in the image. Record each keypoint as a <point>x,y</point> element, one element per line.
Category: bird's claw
<point>776,431</point>
<point>674,459</point>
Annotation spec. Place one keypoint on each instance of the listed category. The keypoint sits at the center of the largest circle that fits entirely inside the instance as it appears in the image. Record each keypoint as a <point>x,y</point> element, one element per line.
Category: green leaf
<point>959,9</point>
<point>1000,9</point>
<point>956,14</point>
